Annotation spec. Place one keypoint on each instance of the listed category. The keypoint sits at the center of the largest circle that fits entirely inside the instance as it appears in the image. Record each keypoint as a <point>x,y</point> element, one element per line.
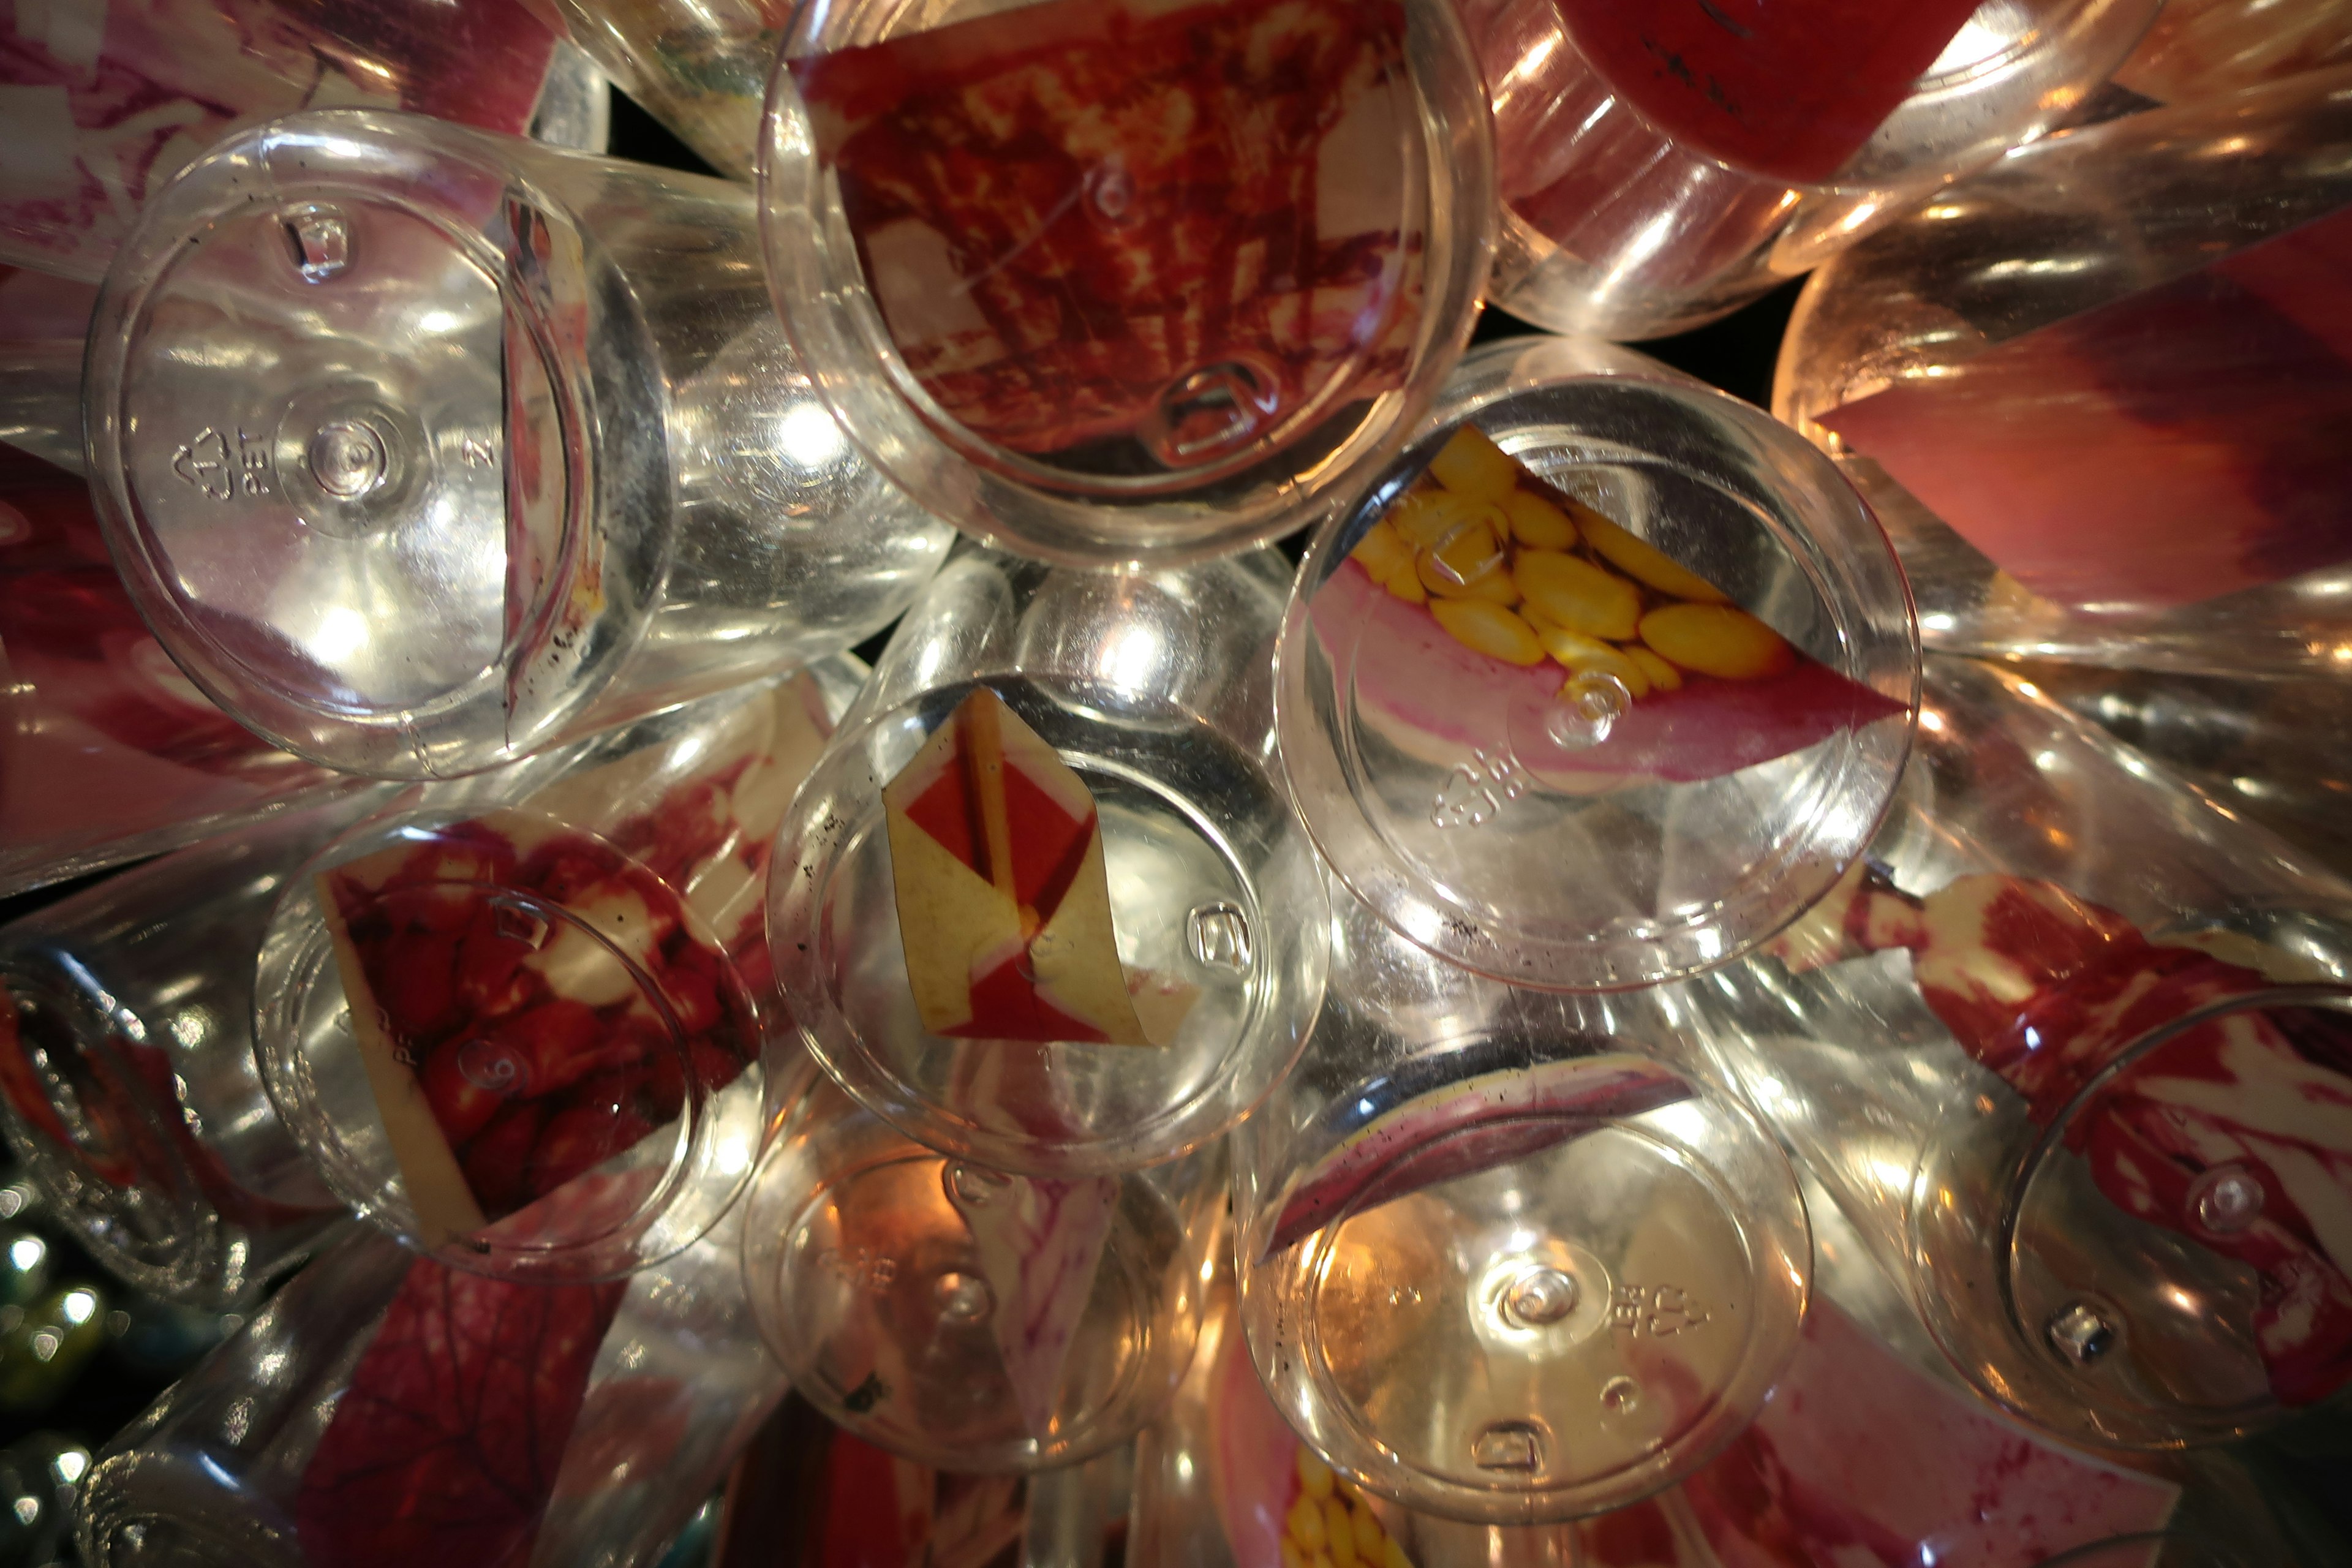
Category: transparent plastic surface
<point>2206,49</point>
<point>965,1318</point>
<point>44,323</point>
<point>423,449</point>
<point>117,98</point>
<point>1220,1482</point>
<point>1152,688</point>
<point>699,67</point>
<point>107,753</point>
<point>1490,726</point>
<point>2094,1117</point>
<point>2274,752</point>
<point>2113,406</point>
<point>383,1412</point>
<point>808,1493</point>
<point>1659,166</point>
<point>128,1086</point>
<point>528,1026</point>
<point>1130,281</point>
<point>1508,1257</point>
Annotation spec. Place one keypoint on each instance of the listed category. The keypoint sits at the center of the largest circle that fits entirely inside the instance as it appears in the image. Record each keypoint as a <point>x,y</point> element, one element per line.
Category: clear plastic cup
<point>1119,281</point>
<point>2095,393</point>
<point>528,1026</point>
<point>568,1423</point>
<point>422,449</point>
<point>1542,783</point>
<point>1152,688</point>
<point>699,67</point>
<point>1500,1261</point>
<point>2206,49</point>
<point>2070,1053</point>
<point>1661,164</point>
<point>128,1084</point>
<point>968,1318</point>
<point>2275,751</point>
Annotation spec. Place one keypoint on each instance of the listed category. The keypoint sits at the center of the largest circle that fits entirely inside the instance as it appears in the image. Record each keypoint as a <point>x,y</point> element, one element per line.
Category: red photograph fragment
<point>1171,223</point>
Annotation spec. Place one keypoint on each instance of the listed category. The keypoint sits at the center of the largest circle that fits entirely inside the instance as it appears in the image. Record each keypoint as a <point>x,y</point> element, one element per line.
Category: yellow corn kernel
<point>1291,1556</point>
<point>1305,1525</point>
<point>1339,1533</point>
<point>1575,594</point>
<point>1314,1476</point>
<point>1470,564</point>
<point>1537,523</point>
<point>1370,1537</point>
<point>1393,1556</point>
<point>1489,628</point>
<point>1426,516</point>
<point>1470,465</point>
<point>1638,559</point>
<point>1720,640</point>
<point>1664,676</point>
<point>1381,550</point>
<point>1580,655</point>
<point>1406,586</point>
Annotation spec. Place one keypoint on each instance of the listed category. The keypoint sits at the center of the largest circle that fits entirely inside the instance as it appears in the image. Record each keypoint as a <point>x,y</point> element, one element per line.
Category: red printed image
<point>445,1445</point>
<point>1789,89</point>
<point>101,737</point>
<point>131,1129</point>
<point>1484,598</point>
<point>1862,1460</point>
<point>2169,448</point>
<point>2235,1132</point>
<point>535,998</point>
<point>1170,222</point>
<point>119,96</point>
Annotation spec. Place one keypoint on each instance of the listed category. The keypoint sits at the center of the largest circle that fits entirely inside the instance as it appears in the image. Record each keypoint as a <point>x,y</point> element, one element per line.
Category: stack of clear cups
<point>2073,1051</point>
<point>1000,1257</point>
<point>385,1411</point>
<point>2095,393</point>
<point>1510,1256</point>
<point>128,1083</point>
<point>529,1025</point>
<point>1121,281</point>
<point>967,1319</point>
<point>1660,163</point>
<point>422,449</point>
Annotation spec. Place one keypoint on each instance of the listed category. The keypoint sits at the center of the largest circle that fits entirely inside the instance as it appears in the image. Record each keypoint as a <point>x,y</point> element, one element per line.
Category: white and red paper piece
<point>2050,989</point>
<point>996,856</point>
<point>537,991</point>
<point>1040,1243</point>
<point>1862,1460</point>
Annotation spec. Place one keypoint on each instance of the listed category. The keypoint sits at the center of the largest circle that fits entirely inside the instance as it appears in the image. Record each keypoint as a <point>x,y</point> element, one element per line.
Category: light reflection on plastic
<point>809,436</point>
